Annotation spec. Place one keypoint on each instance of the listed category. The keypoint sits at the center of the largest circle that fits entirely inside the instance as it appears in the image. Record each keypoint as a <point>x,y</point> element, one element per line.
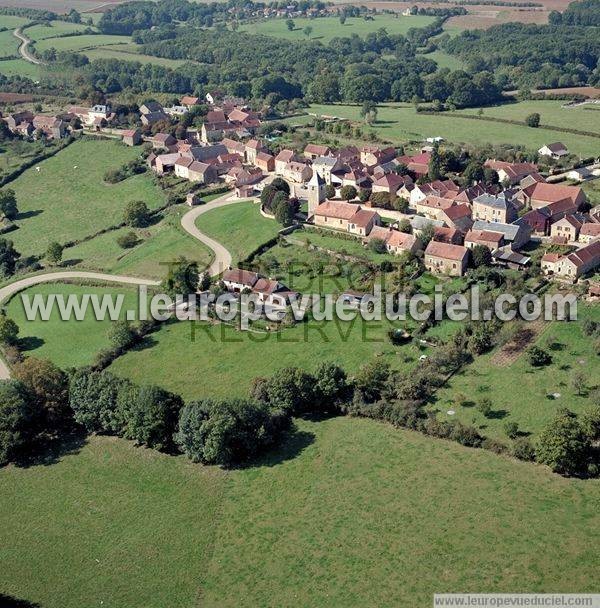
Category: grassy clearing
<point>204,360</point>
<point>14,153</point>
<point>158,245</point>
<point>53,29</point>
<point>67,343</point>
<point>20,67</point>
<point>9,45</point>
<point>400,122</point>
<point>78,43</point>
<point>240,228</point>
<point>326,28</point>
<point>530,405</point>
<point>445,60</point>
<point>108,525</point>
<point>12,21</point>
<point>348,512</point>
<point>61,203</point>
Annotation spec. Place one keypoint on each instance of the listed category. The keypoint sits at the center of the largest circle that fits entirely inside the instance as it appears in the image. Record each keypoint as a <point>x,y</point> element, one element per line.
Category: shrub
<point>493,445</point>
<point>590,422</point>
<point>465,435</point>
<point>563,445</point>
<point>511,429</point>
<point>331,386</point>
<point>533,120</point>
<point>485,407</point>
<point>136,214</point>
<point>54,252</point>
<point>370,380</point>
<point>127,240</point>
<point>538,357</point>
<point>523,449</point>
<point>292,390</point>
<point>377,246</point>
<point>121,334</point>
<point>9,330</point>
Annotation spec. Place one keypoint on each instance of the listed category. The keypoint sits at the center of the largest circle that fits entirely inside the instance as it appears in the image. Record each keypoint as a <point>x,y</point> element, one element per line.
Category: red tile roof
<point>446,251</point>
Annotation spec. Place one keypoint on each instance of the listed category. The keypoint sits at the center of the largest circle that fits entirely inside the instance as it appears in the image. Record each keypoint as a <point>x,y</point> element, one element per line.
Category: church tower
<point>316,193</point>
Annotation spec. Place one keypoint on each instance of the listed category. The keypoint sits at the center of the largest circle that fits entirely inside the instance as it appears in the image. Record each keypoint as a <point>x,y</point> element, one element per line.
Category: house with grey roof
<point>516,235</point>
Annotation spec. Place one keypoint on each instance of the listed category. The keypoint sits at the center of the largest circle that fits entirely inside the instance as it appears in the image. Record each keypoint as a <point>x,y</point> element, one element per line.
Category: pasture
<point>68,199</point>
<point>129,52</point>
<point>348,512</point>
<point>400,123</point>
<point>9,45</point>
<point>20,67</point>
<point>79,43</point>
<point>53,29</point>
<point>324,29</point>
<point>67,343</point>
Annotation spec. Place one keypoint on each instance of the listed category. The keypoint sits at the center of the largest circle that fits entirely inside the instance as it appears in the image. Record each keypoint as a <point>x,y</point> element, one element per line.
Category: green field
<point>53,29</point>
<point>9,45</point>
<point>445,60</point>
<point>12,21</point>
<point>62,203</point>
<point>158,245</point>
<point>240,228</point>
<point>20,67</point>
<point>348,512</point>
<point>400,122</point>
<point>128,52</point>
<point>14,153</point>
<point>78,43</point>
<point>67,343</point>
<point>592,190</point>
<point>326,28</point>
<point>523,394</point>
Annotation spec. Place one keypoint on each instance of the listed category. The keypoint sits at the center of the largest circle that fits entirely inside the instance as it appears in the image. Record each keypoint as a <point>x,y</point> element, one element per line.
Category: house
<point>265,161</point>
<point>589,232</point>
<point>457,216</point>
<point>325,166</point>
<point>433,206</point>
<point>18,118</point>
<point>253,147</point>
<point>418,164</point>
<point>549,262</point>
<point>488,238</point>
<point>182,166</point>
<point>580,175</point>
<point>511,173</point>
<point>189,101</point>
<point>132,137</point>
<point>349,155</point>
<point>445,189</point>
<point>373,155</point>
<point>356,178</point>
<point>542,194</point>
<point>98,113</point>
<point>538,221</point>
<point>151,119</point>
<point>163,140</point>
<point>530,180</point>
<point>418,224</point>
<point>444,234</point>
<point>297,172</point>
<point>507,258</point>
<point>177,111</point>
<point>442,258</point>
<point>233,146</point>
<point>203,173</point>
<point>579,262</point>
<point>164,163</point>
<point>334,214</point>
<point>495,208</point>
<point>282,159</point>
<point>516,235</point>
<point>192,199</point>
<point>363,221</point>
<point>236,279</point>
<point>390,183</point>
<point>151,107</point>
<point>556,150</point>
<point>270,292</point>
<point>313,151</point>
<point>247,177</point>
<point>396,242</point>
<point>567,228</point>
<point>50,126</point>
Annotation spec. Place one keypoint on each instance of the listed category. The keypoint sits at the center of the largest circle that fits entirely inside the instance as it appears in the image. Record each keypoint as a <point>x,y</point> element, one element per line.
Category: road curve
<point>23,50</point>
<point>222,259</point>
<point>9,290</point>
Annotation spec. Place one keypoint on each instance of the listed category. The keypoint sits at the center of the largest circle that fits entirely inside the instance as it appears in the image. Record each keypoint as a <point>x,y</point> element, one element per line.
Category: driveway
<point>222,259</point>
<point>23,50</point>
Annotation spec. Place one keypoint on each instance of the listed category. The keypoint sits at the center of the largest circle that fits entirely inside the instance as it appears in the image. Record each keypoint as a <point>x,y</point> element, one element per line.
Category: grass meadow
<point>325,29</point>
<point>63,203</point>
<point>400,122</point>
<point>20,67</point>
<point>67,343</point>
<point>78,43</point>
<point>157,246</point>
<point>240,228</point>
<point>129,52</point>
<point>348,512</point>
<point>53,29</point>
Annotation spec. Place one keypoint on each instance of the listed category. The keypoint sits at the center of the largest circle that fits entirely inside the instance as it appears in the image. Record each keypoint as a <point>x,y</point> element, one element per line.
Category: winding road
<point>221,262</point>
<point>23,50</point>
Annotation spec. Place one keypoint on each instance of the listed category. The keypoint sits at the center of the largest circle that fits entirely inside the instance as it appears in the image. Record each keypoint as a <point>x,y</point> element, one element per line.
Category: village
<point>384,199</point>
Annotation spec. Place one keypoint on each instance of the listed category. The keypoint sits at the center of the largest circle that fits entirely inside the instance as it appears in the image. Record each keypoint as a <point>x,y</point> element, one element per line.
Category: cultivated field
<point>348,512</point>
<point>534,404</point>
<point>326,28</point>
<point>400,122</point>
<point>73,343</point>
<point>68,198</point>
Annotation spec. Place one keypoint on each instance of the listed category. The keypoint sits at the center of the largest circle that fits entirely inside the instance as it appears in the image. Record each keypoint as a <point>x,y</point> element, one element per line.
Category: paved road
<point>9,290</point>
<point>222,259</point>
<point>23,50</point>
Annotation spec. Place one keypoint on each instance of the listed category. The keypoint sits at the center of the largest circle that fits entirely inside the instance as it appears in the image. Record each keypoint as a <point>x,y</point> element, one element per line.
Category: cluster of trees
<point>531,56</point>
<point>582,12</point>
<point>129,169</point>
<point>275,199</point>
